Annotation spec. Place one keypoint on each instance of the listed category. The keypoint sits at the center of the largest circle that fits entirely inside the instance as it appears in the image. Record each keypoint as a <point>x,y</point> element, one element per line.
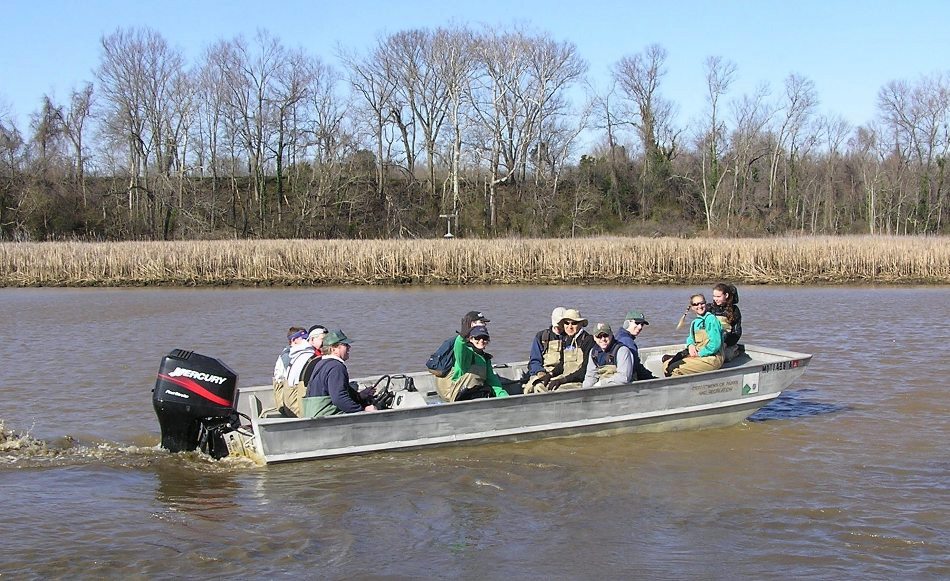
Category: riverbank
<point>607,260</point>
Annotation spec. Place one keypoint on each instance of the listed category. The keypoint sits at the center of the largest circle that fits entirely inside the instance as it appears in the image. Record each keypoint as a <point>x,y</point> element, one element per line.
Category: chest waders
<point>573,360</point>
<point>475,376</point>
<point>550,360</point>
<point>689,365</point>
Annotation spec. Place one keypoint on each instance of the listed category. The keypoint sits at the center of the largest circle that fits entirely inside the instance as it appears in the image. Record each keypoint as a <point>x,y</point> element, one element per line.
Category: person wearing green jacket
<point>472,375</point>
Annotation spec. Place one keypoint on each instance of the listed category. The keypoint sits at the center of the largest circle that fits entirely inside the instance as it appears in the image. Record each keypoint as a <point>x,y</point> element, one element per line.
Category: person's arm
<point>625,373</point>
<point>338,382</point>
<point>462,354</point>
<point>590,377</point>
<point>536,359</point>
<point>493,381</point>
<point>732,337</point>
<point>714,331</point>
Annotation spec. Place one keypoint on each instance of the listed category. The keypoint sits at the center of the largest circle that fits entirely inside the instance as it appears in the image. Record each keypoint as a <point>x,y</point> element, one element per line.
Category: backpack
<point>441,362</point>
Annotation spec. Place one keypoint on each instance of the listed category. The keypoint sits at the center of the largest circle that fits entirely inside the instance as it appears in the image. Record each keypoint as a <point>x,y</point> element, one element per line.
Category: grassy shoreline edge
<point>602,260</point>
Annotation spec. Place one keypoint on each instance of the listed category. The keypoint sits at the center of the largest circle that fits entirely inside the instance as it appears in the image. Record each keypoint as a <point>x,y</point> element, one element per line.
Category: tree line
<point>488,132</point>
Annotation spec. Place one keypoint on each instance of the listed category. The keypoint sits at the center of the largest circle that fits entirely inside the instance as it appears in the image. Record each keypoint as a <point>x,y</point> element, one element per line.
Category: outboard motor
<point>194,401</point>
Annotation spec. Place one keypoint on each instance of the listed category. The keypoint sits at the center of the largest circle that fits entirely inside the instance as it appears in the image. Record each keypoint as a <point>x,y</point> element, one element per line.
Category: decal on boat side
<point>200,376</point>
<point>780,365</point>
<point>170,392</point>
<point>715,388</point>
<point>750,384</point>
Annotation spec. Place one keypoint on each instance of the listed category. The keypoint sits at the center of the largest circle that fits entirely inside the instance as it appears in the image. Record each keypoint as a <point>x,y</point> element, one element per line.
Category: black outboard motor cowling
<point>194,401</point>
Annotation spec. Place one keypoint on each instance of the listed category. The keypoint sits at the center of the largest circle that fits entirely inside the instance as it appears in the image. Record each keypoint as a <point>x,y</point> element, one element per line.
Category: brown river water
<point>847,475</point>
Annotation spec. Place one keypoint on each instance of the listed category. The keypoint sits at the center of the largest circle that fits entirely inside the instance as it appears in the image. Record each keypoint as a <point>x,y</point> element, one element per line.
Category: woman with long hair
<point>726,308</point>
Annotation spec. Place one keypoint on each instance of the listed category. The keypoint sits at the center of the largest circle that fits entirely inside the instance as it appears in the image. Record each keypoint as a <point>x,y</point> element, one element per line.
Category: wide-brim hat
<point>574,315</point>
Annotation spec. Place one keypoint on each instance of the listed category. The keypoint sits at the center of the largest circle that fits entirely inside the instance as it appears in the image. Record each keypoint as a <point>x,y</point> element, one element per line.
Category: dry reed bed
<point>871,259</point>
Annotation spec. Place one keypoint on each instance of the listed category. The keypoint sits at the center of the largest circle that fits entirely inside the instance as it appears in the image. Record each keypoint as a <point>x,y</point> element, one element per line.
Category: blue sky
<point>848,48</point>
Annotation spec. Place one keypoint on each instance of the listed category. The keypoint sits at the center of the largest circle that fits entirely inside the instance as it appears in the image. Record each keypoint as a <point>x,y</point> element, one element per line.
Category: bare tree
<point>719,76</point>
<point>12,154</point>
<point>800,100</point>
<point>74,125</point>
<point>452,50</point>
<point>517,95</point>
<point>749,149</point>
<point>137,74</point>
<point>639,78</point>
<point>918,117</point>
<point>605,109</point>
<point>372,78</point>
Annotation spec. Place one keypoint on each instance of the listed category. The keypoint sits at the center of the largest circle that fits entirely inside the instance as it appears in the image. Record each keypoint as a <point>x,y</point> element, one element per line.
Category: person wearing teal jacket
<point>472,375</point>
<point>703,345</point>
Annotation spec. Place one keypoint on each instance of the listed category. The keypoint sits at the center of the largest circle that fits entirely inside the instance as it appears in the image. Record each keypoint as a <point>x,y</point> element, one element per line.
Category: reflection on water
<point>204,494</point>
<point>845,474</point>
<point>794,404</point>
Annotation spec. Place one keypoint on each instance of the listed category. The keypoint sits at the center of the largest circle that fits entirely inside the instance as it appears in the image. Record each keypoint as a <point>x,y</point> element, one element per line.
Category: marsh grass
<point>613,260</point>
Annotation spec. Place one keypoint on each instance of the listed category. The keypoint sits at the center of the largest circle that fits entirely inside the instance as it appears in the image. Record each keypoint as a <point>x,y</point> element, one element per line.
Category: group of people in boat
<point>311,379</point>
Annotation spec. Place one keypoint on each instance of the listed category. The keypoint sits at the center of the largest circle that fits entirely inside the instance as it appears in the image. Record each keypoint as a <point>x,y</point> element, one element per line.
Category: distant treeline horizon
<point>601,260</point>
<point>474,131</point>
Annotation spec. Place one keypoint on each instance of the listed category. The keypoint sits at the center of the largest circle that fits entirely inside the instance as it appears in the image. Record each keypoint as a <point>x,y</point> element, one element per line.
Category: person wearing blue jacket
<point>627,336</point>
<point>329,391</point>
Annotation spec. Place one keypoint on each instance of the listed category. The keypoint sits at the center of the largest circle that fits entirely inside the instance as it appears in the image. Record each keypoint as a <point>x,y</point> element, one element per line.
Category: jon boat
<point>419,418</point>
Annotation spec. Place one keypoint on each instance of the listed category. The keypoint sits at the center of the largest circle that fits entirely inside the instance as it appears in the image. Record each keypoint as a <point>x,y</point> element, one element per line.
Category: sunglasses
<point>485,339</point>
<point>698,304</point>
<point>602,336</point>
<point>571,323</point>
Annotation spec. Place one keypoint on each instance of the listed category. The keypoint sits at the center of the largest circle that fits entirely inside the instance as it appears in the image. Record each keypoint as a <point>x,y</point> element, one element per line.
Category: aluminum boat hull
<point>704,400</point>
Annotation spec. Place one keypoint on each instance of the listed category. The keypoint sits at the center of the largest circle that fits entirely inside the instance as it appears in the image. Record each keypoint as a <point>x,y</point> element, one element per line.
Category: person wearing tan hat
<point>611,362</point>
<point>546,354</point>
<point>577,346</point>
<point>633,325</point>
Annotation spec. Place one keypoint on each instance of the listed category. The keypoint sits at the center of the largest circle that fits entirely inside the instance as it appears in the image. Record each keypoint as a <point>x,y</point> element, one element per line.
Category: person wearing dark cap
<point>610,361</point>
<point>329,391</point>
<point>472,376</point>
<point>443,380</point>
<point>627,336</point>
<point>471,319</point>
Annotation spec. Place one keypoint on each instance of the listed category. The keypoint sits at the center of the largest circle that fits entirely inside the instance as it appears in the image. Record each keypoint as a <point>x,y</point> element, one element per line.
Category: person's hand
<point>370,408</point>
<point>554,384</point>
<point>543,378</point>
<point>693,351</point>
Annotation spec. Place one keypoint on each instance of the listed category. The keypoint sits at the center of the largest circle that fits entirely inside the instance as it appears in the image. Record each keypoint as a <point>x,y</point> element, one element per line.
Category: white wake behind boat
<point>419,418</point>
